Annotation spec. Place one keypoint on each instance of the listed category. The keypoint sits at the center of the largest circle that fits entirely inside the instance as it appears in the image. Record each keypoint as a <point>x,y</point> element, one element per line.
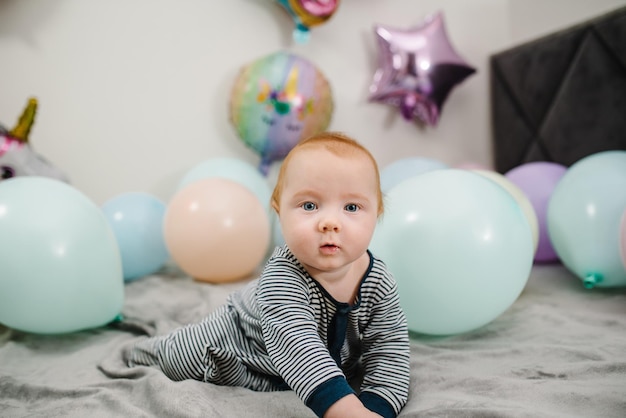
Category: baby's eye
<point>351,207</point>
<point>309,206</point>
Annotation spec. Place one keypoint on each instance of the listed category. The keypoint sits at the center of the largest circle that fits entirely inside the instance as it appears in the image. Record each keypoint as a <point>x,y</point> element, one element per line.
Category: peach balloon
<point>520,197</point>
<point>216,230</point>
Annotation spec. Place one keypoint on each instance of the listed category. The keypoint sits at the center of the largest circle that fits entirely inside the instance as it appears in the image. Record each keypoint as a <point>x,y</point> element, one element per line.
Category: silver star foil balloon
<point>417,69</point>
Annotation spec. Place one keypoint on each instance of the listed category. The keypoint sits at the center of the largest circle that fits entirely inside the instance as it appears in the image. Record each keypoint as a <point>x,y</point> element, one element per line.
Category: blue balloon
<point>459,246</point>
<point>233,169</point>
<point>137,222</point>
<point>405,168</point>
<point>584,215</point>
<point>277,233</point>
<point>60,267</point>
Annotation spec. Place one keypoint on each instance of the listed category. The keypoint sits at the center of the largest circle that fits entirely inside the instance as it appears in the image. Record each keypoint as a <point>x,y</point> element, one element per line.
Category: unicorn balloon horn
<point>17,157</point>
<point>26,121</point>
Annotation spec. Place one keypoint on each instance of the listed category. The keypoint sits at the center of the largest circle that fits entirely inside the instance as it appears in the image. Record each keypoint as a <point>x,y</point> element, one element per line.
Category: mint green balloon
<point>584,215</point>
<point>459,246</point>
<point>60,266</point>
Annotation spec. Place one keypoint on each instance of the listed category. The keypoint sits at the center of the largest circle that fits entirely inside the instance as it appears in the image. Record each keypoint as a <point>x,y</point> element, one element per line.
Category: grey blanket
<point>559,351</point>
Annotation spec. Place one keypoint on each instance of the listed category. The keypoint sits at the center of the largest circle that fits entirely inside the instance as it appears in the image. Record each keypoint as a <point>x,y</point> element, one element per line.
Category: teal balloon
<point>233,169</point>
<point>405,168</point>
<point>60,266</point>
<point>459,246</point>
<point>584,215</point>
<point>136,219</point>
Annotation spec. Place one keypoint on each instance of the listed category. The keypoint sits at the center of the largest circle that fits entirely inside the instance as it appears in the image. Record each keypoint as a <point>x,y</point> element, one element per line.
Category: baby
<point>324,309</point>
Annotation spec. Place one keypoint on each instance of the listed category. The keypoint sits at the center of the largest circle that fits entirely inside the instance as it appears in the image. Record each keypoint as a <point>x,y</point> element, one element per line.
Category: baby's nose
<point>329,223</point>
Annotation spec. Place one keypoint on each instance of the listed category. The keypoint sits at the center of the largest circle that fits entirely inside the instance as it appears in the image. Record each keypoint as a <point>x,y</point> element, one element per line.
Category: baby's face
<point>328,208</point>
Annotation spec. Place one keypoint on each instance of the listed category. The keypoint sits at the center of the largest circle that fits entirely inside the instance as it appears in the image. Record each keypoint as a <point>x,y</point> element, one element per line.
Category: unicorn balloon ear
<point>25,123</point>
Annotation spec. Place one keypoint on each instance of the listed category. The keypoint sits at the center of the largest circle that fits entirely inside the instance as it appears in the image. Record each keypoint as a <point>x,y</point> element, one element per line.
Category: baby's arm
<point>386,356</point>
<point>293,343</point>
<point>348,407</point>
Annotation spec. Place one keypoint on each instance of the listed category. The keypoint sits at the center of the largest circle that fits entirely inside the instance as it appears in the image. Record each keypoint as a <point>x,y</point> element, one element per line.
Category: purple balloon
<point>417,69</point>
<point>537,180</point>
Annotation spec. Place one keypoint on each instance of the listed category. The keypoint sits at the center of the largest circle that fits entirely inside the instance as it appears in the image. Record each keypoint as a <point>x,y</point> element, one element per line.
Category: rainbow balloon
<point>308,13</point>
<point>276,101</point>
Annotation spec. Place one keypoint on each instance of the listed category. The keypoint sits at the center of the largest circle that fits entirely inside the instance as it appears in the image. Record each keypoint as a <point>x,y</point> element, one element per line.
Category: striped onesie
<point>285,331</point>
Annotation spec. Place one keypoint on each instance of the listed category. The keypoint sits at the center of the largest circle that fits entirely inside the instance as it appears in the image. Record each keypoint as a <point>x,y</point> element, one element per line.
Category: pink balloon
<point>538,180</point>
<point>472,165</point>
<point>417,69</point>
<point>216,230</point>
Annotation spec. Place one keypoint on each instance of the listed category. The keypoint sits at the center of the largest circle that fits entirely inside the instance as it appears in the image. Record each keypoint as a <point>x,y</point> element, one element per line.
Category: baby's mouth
<point>329,248</point>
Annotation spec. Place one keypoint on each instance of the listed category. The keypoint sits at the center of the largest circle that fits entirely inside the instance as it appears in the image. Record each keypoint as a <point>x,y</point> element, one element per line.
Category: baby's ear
<point>274,205</point>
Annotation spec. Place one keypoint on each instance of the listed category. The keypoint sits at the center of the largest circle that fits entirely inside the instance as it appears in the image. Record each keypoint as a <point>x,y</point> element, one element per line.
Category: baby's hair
<point>338,144</point>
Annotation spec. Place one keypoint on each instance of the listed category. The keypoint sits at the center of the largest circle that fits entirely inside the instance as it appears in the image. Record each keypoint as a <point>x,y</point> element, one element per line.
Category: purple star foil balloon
<point>417,69</point>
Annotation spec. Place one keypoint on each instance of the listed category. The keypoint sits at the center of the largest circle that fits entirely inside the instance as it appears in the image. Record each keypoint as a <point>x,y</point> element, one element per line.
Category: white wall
<point>133,93</point>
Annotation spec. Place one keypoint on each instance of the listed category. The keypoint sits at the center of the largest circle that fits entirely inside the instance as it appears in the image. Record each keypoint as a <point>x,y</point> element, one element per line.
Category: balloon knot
<point>592,280</point>
<point>301,34</point>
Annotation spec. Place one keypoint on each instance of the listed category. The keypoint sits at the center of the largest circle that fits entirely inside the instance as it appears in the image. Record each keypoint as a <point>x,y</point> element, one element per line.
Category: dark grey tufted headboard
<point>561,97</point>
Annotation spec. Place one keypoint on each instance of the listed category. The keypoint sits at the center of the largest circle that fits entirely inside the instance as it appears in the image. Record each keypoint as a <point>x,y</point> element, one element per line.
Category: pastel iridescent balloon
<point>278,100</point>
<point>308,13</point>
<point>417,69</point>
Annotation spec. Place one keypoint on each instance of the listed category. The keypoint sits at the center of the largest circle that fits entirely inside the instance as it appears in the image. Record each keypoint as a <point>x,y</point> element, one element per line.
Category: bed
<point>558,351</point>
<point>561,97</point>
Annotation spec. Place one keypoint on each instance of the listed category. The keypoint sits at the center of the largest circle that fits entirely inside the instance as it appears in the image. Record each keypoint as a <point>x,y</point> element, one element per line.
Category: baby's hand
<point>349,407</point>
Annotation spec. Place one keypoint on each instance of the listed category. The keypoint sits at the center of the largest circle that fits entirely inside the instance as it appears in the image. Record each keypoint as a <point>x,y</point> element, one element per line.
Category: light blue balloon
<point>584,215</point>
<point>459,246</point>
<point>60,267</point>
<point>137,222</point>
<point>232,169</point>
<point>405,168</point>
<point>277,232</point>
